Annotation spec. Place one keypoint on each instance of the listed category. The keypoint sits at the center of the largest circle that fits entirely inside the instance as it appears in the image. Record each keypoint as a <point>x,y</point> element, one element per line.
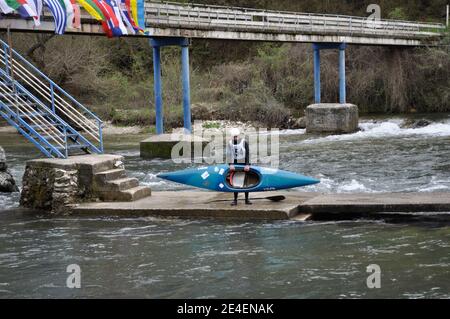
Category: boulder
<point>7,182</point>
<point>416,123</point>
<point>3,165</point>
<point>301,123</point>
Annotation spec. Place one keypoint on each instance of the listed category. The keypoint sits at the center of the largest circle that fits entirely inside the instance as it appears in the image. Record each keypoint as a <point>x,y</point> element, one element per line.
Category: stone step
<point>121,184</point>
<point>129,195</point>
<point>110,175</point>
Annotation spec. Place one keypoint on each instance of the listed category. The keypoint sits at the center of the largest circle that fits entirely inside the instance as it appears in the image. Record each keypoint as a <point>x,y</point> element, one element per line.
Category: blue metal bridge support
<point>342,82</point>
<point>157,44</point>
<point>158,89</point>
<point>186,88</point>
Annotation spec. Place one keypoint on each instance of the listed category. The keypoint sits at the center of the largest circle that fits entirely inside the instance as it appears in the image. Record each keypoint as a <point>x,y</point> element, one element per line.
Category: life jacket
<point>238,150</point>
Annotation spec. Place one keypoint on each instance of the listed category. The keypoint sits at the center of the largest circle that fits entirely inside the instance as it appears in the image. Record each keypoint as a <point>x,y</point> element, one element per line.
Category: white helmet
<point>235,132</point>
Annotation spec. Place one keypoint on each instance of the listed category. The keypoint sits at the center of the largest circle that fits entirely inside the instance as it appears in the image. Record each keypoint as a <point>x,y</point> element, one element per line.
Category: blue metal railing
<point>50,98</point>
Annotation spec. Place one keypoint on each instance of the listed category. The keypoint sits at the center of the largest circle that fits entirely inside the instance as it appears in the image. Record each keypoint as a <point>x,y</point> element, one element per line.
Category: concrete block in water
<point>332,118</point>
<point>161,146</point>
<point>57,185</point>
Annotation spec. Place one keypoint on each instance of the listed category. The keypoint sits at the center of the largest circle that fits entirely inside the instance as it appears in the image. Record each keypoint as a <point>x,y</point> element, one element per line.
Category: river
<point>179,258</point>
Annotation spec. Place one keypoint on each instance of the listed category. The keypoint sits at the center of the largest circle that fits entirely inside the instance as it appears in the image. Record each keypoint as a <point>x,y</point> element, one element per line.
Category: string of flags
<point>118,17</point>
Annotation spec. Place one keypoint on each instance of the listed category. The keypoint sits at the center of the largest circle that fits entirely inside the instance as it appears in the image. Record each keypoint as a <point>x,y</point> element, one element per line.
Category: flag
<point>69,13</point>
<point>76,15</point>
<point>58,10</point>
<point>114,24</point>
<point>134,10</point>
<point>8,6</point>
<point>137,13</point>
<point>125,11</point>
<point>121,29</point>
<point>105,21</point>
<point>36,5</point>
<point>27,9</point>
<point>92,9</point>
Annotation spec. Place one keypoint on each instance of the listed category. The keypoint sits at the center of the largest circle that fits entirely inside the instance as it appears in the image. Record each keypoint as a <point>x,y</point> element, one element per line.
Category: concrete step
<point>129,195</point>
<point>121,184</point>
<point>110,175</point>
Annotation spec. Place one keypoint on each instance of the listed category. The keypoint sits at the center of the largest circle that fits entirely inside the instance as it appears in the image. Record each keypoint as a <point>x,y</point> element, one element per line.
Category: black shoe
<point>234,203</point>
<point>247,202</point>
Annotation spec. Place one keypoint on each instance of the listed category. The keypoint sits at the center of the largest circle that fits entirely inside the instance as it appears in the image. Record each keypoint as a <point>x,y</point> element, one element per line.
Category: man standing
<point>238,153</point>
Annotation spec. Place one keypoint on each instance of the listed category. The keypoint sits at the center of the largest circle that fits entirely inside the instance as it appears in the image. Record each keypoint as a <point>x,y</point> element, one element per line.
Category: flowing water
<point>175,258</point>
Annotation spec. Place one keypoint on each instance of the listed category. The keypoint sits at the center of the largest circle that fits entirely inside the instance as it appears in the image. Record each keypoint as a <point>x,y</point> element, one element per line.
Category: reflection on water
<point>172,258</point>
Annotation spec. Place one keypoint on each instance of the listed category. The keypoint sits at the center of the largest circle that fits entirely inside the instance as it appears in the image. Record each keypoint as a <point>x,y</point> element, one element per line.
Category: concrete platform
<point>298,205</point>
<point>198,205</point>
<point>94,162</point>
<point>348,206</point>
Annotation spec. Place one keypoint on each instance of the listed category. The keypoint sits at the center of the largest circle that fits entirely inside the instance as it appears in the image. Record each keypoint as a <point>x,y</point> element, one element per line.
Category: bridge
<point>175,24</point>
<point>172,19</point>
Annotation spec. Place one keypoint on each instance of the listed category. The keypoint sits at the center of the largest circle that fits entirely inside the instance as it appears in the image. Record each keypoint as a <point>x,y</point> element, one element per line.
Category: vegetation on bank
<point>270,83</point>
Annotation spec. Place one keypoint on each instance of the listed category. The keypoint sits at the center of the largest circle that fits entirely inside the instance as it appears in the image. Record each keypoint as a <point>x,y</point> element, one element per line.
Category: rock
<point>7,182</point>
<point>299,123</point>
<point>416,123</point>
<point>3,165</point>
<point>332,118</point>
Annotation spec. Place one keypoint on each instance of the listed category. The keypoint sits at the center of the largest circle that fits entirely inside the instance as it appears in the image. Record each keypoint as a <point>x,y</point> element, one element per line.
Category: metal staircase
<point>43,112</point>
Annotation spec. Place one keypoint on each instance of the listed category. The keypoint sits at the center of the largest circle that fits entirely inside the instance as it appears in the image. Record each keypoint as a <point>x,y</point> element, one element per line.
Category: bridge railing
<point>187,15</point>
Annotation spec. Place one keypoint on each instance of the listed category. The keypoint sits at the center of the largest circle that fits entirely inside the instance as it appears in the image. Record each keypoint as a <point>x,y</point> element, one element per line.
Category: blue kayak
<point>219,178</point>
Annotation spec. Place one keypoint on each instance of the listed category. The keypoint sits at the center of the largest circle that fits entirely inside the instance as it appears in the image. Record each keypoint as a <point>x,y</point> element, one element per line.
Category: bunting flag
<point>8,6</point>
<point>125,11</point>
<point>26,9</point>
<point>58,10</point>
<point>92,9</point>
<point>105,18</point>
<point>36,5</point>
<point>118,17</point>
<point>116,23</point>
<point>70,15</point>
<point>76,15</point>
<point>134,11</point>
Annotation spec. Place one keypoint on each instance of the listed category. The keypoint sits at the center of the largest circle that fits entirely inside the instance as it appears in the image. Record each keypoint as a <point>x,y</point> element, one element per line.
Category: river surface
<point>179,258</point>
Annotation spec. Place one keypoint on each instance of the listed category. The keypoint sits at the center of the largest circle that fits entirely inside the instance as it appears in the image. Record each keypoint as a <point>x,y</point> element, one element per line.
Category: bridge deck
<point>170,19</point>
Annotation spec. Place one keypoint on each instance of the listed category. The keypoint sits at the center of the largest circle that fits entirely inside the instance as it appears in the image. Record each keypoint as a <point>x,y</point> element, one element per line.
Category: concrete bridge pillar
<point>330,117</point>
<point>157,44</point>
